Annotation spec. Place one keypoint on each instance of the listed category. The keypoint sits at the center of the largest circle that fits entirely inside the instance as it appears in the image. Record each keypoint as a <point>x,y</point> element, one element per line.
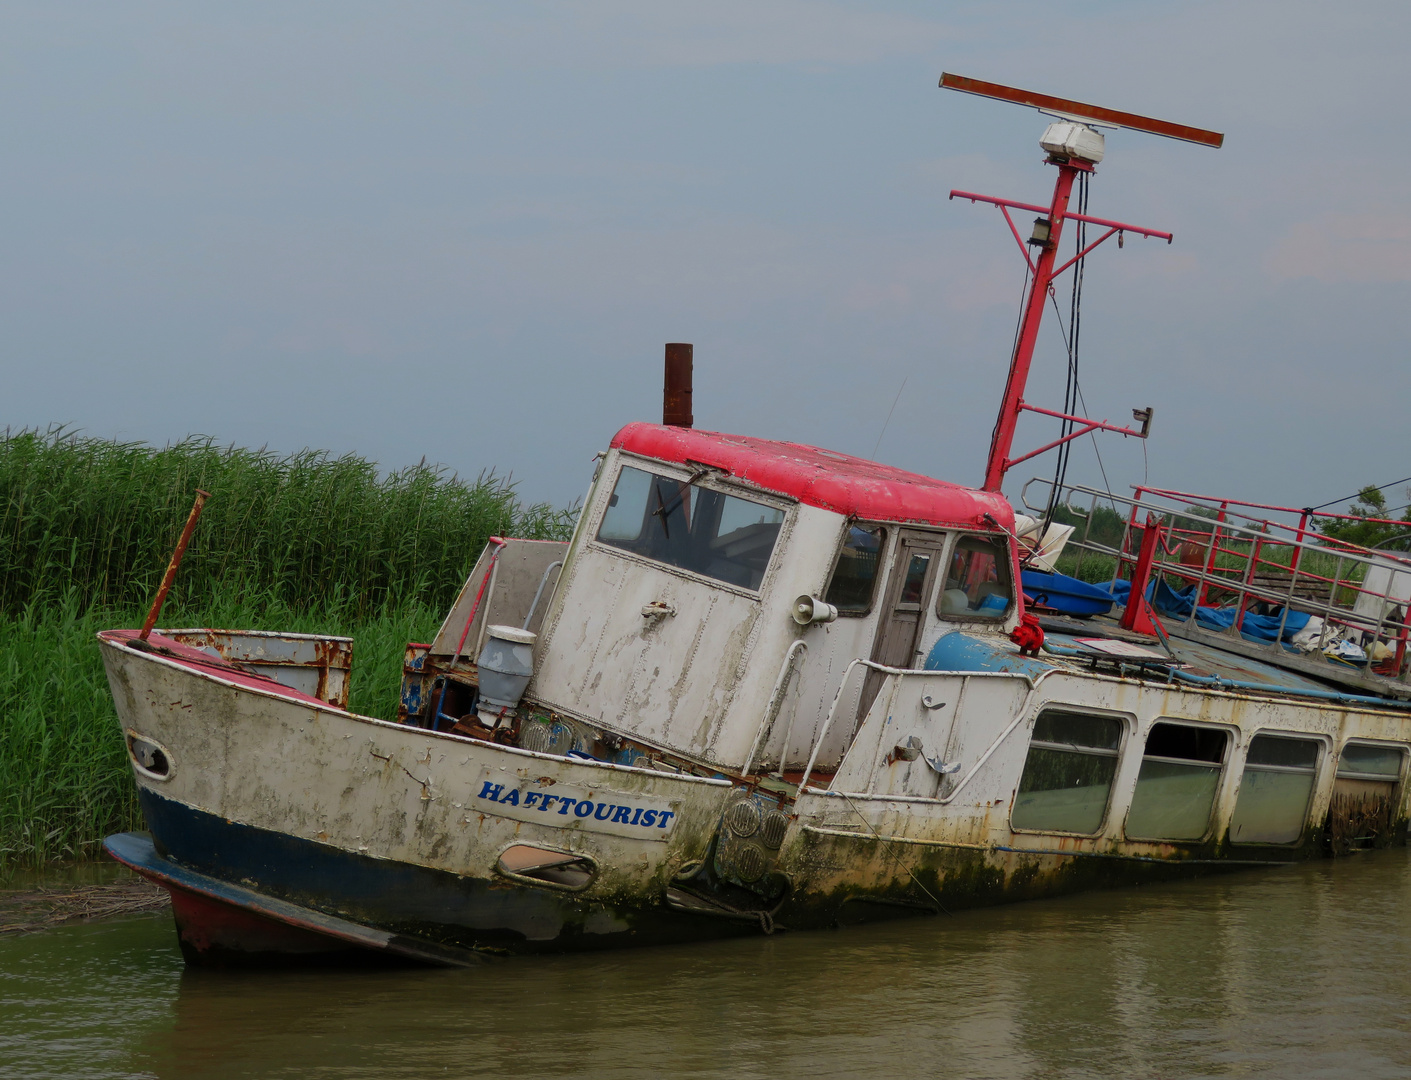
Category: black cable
<point>1071,338</point>
<point>1356,494</point>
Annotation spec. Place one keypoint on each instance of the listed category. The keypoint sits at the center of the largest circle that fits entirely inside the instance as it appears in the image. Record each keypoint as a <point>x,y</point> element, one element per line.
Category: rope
<point>891,850</point>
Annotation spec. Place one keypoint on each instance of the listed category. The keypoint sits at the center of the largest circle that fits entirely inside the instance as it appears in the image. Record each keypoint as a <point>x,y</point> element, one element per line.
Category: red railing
<point>1246,555</point>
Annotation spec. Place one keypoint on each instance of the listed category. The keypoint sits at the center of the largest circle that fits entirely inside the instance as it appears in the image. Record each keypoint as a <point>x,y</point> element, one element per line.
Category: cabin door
<point>910,588</point>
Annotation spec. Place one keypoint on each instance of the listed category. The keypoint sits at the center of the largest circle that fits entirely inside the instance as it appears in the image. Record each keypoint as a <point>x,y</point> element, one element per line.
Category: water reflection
<point>1301,971</point>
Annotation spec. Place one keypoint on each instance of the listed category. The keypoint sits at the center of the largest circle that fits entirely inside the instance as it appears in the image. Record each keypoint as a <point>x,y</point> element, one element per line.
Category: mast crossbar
<point>1081,110</point>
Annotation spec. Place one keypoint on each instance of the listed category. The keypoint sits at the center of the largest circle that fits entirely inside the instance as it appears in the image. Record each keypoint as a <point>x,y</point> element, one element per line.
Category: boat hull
<point>279,809</point>
<point>396,828</point>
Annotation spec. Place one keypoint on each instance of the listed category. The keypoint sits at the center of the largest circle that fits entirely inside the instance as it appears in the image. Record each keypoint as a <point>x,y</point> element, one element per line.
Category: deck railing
<point>1247,557</point>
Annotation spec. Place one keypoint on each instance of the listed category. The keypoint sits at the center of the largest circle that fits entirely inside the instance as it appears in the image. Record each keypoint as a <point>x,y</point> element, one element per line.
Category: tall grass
<point>304,543</point>
<point>302,529</point>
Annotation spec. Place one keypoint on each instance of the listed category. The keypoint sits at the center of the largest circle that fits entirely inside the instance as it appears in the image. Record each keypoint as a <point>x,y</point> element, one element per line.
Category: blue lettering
<point>636,817</point>
<point>491,791</point>
<point>623,813</point>
<point>583,809</point>
<point>649,819</point>
<point>665,816</point>
<point>567,804</point>
<point>529,797</point>
<point>604,811</point>
<point>512,799</point>
<point>549,801</point>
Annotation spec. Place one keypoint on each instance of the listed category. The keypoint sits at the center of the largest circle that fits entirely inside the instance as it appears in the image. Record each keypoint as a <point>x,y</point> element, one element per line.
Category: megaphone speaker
<point>809,609</point>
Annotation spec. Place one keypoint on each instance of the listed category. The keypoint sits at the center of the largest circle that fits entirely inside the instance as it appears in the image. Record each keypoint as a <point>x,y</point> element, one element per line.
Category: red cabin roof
<point>837,482</point>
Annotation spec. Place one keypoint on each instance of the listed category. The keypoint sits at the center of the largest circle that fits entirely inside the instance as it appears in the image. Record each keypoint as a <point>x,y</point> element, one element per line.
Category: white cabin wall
<point>804,569</point>
<point>831,648</point>
<point>698,682</point>
<point>994,722</point>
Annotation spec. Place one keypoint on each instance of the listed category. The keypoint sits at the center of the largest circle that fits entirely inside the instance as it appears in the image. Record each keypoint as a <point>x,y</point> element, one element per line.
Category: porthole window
<point>1275,790</point>
<point>1068,774</point>
<point>1176,787</point>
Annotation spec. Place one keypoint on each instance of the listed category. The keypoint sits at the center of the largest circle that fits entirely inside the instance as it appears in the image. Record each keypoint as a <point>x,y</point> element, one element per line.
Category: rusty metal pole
<point>676,393</point>
<point>201,497</point>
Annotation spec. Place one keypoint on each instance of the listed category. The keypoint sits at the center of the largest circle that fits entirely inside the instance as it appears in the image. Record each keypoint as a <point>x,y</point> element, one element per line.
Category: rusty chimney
<point>676,395</point>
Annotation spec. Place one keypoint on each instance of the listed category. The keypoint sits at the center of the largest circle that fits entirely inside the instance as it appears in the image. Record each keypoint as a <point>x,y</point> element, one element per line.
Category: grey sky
<point>444,230</point>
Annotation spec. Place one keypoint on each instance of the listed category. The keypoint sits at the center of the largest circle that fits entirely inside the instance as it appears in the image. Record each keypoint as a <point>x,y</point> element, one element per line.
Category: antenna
<point>1075,147</point>
<point>1077,110</point>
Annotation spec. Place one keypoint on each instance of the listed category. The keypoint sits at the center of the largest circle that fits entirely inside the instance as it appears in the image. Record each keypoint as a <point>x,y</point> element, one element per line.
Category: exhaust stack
<point>676,394</point>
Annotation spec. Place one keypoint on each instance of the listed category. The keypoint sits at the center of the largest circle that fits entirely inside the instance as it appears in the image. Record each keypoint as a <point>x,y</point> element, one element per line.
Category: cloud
<point>1344,247</point>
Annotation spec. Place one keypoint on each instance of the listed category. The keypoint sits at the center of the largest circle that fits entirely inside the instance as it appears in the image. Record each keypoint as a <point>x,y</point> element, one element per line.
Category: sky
<point>464,231</point>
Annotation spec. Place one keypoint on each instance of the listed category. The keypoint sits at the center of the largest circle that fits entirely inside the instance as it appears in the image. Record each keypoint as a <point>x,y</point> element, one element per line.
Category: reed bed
<point>303,543</point>
<point>303,529</point>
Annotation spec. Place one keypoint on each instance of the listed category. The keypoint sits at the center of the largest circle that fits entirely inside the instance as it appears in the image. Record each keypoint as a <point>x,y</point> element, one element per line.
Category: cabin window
<point>977,583</point>
<point>1176,787</point>
<point>1360,761</point>
<point>691,527</point>
<point>1364,796</point>
<point>855,576</point>
<point>1068,773</point>
<point>1275,790</point>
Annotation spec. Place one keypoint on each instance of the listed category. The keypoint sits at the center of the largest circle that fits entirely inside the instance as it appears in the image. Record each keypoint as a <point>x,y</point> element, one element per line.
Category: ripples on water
<point>1304,971</point>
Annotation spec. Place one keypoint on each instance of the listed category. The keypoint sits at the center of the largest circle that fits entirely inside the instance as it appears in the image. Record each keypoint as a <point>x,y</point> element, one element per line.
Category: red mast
<point>1074,146</point>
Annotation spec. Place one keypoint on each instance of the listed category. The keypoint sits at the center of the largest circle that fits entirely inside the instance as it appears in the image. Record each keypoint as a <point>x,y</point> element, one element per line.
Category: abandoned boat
<point>769,685</point>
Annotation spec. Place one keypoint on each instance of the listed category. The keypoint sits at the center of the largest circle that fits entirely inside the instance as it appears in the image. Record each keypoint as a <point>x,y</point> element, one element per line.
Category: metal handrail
<point>776,701</point>
<point>1258,536</point>
<point>1025,708</point>
<point>828,723</point>
<point>832,711</point>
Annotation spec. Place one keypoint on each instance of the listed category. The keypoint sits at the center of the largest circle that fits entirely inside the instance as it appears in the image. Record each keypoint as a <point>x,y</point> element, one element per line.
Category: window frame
<point>1002,540</point>
<point>710,480</point>
<point>1222,767</point>
<point>1401,748</point>
<point>1320,766</point>
<point>884,554</point>
<point>1127,723</point>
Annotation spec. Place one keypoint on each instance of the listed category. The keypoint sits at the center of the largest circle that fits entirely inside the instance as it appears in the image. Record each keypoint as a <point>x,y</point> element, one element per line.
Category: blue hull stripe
<point>430,906</point>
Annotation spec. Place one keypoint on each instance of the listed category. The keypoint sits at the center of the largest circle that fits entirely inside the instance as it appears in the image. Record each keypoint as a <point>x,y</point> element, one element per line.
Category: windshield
<point>690,527</point>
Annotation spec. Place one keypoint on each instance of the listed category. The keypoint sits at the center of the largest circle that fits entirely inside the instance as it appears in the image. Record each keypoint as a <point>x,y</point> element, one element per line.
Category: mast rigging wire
<point>1071,389</point>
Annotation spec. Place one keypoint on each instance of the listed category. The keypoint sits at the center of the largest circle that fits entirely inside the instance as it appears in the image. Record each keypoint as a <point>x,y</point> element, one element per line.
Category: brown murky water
<point>1293,972</point>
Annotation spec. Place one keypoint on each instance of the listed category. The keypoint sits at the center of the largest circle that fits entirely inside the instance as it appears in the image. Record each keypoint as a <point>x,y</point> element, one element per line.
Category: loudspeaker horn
<point>809,609</point>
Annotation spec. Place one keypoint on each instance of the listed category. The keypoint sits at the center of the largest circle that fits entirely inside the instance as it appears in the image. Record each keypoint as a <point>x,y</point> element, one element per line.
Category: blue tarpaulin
<point>1177,605</point>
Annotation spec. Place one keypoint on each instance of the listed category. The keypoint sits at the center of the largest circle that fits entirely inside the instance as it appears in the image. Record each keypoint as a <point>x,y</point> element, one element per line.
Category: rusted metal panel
<point>411,702</point>
<point>315,664</point>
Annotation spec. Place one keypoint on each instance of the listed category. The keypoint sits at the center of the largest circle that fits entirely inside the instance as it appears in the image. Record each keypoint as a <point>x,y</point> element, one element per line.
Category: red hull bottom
<point>213,933</point>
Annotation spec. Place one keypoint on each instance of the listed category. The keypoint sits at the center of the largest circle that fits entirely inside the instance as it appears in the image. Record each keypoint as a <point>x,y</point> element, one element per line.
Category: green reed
<point>302,543</point>
<point>64,776</point>
<point>102,517</point>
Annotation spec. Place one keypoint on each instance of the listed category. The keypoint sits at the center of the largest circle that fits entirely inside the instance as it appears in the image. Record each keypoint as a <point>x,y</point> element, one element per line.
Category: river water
<point>1290,972</point>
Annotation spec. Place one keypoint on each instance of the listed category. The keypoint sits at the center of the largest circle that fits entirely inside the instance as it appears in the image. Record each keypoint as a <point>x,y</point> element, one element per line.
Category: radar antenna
<point>1075,146</point>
